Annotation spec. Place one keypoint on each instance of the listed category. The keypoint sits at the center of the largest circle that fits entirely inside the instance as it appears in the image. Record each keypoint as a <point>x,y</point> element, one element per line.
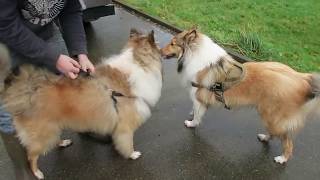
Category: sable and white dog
<point>116,100</point>
<point>282,96</point>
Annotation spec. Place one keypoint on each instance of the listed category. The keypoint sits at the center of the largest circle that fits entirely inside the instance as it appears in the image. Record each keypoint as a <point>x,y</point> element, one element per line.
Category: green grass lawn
<point>279,30</point>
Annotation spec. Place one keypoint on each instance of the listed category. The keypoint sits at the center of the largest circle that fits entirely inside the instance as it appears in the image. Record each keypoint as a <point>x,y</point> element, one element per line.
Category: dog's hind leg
<point>38,142</point>
<point>65,143</point>
<point>37,147</point>
<point>287,146</point>
<point>33,160</point>
<point>199,110</point>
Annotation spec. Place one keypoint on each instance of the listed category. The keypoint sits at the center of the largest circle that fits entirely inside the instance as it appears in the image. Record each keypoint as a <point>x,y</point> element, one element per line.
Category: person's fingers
<point>75,70</point>
<point>75,63</point>
<point>72,75</point>
<point>84,67</point>
<point>91,68</point>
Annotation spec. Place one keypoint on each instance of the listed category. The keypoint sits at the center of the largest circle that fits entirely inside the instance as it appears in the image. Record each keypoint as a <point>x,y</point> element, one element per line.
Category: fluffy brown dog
<point>282,96</point>
<point>116,100</point>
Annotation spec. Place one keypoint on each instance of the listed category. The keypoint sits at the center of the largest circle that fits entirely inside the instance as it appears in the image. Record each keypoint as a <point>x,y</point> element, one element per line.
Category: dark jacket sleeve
<point>72,28</point>
<point>21,39</point>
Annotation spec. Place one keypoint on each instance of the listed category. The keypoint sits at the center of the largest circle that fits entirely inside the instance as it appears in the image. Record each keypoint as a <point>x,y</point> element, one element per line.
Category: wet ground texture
<point>224,146</point>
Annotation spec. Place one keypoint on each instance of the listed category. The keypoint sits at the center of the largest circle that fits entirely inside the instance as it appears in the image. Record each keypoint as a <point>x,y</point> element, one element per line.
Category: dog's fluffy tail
<point>4,65</point>
<point>313,106</point>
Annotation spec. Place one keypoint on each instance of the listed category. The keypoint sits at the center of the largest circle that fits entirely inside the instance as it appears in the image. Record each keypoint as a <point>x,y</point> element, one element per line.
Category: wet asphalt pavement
<point>224,146</point>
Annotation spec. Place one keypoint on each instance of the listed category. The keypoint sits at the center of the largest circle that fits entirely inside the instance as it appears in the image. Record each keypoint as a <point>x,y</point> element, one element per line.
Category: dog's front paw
<point>65,143</point>
<point>190,124</point>
<point>38,174</point>
<point>263,138</point>
<point>135,155</point>
<point>280,159</point>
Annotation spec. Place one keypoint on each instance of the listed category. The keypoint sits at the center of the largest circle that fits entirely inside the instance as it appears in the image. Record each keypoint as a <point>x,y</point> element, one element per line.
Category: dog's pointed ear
<point>236,71</point>
<point>191,34</point>
<point>151,37</point>
<point>134,32</point>
<point>194,28</point>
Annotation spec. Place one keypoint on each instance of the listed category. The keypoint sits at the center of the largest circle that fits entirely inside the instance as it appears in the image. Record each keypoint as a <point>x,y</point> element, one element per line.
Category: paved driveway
<point>223,147</point>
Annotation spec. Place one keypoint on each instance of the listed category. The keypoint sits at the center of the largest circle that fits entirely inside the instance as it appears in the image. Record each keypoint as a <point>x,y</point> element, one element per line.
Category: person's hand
<point>85,63</point>
<point>68,66</point>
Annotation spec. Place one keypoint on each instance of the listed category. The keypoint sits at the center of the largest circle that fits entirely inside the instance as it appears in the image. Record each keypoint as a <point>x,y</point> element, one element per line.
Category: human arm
<point>19,38</point>
<point>74,34</point>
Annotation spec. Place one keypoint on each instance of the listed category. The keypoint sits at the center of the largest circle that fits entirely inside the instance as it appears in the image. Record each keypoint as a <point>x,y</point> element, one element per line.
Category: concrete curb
<point>174,29</point>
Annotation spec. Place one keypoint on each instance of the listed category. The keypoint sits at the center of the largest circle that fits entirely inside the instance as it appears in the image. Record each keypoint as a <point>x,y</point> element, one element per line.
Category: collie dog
<point>282,96</point>
<point>116,100</point>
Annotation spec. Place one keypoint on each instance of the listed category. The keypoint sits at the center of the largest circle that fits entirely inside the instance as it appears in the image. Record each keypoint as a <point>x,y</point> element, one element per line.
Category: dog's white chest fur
<point>145,85</point>
<point>196,60</point>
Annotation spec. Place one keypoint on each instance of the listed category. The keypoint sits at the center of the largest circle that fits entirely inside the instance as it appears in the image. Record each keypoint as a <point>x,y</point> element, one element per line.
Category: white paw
<point>280,159</point>
<point>65,143</point>
<point>263,137</point>
<point>135,155</point>
<point>39,174</point>
<point>190,124</point>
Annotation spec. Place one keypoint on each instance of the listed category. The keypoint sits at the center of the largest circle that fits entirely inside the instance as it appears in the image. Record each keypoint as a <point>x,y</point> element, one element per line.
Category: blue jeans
<point>6,125</point>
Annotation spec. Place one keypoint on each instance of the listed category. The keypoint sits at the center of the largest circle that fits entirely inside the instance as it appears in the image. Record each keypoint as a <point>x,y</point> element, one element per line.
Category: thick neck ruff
<point>203,53</point>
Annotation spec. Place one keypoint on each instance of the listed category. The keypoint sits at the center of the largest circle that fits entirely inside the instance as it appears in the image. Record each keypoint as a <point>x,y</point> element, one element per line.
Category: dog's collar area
<point>217,88</point>
<point>115,94</point>
<point>84,74</point>
<point>181,59</point>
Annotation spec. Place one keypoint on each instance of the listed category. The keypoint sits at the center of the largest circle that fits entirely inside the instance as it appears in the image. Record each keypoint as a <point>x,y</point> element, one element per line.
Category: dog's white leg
<point>65,143</point>
<point>198,110</point>
<point>191,114</point>
<point>280,159</point>
<point>135,155</point>
<point>39,174</point>
<point>264,137</point>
